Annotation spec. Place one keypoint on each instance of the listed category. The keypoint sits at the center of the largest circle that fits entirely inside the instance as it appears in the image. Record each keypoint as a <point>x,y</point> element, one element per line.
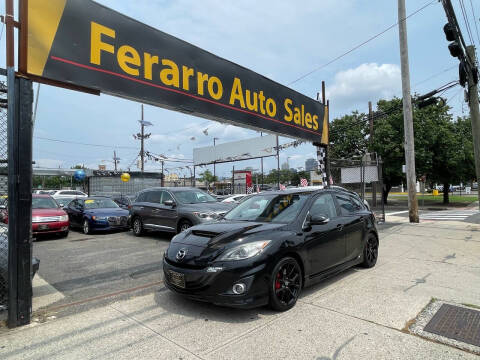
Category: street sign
<point>84,44</point>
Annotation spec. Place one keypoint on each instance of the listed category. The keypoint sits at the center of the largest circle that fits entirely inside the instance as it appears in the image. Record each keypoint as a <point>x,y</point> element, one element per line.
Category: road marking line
<point>398,212</point>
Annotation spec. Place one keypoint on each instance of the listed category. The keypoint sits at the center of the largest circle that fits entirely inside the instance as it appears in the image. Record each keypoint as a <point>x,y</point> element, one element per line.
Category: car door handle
<point>156,210</point>
<point>140,207</point>
<point>339,227</point>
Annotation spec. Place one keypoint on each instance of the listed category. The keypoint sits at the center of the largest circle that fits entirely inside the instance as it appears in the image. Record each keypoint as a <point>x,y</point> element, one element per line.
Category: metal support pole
<point>474,115</point>
<point>20,100</point>
<point>407,115</point>
<point>233,180</point>
<point>370,122</point>
<point>194,180</point>
<point>278,165</point>
<point>142,151</point>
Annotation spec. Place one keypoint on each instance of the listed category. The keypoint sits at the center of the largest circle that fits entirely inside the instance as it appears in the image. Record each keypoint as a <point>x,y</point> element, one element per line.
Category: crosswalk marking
<point>448,215</point>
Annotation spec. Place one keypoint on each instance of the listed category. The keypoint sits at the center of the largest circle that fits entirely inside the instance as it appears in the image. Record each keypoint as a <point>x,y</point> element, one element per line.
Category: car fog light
<point>214,269</point>
<point>239,288</point>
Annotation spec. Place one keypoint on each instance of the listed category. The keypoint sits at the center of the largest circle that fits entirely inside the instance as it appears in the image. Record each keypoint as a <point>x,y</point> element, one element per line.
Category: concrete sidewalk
<point>360,314</point>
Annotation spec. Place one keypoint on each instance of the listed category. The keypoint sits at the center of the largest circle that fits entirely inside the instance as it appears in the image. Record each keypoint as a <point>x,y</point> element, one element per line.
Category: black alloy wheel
<point>137,227</point>
<point>184,225</point>
<point>286,284</point>
<point>370,253</point>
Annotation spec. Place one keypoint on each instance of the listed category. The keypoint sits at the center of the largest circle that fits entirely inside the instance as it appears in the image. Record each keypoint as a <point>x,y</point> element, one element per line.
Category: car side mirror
<point>169,203</point>
<point>319,220</point>
<point>3,206</point>
<point>61,205</point>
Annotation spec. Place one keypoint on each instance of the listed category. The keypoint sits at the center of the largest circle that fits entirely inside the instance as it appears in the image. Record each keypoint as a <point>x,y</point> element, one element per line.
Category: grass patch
<point>430,199</point>
<point>471,305</point>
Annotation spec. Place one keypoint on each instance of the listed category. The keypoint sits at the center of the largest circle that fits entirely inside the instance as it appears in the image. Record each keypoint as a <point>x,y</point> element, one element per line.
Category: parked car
<point>4,260</point>
<point>97,213</point>
<point>234,199</point>
<point>125,202</point>
<point>174,209</point>
<point>47,216</point>
<point>265,250</point>
<point>68,194</point>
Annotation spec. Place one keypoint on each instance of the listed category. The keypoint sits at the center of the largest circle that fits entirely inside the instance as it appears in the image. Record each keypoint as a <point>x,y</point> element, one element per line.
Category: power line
<point>467,23</point>
<point>361,44</point>
<point>475,22</point>
<point>435,75</point>
<point>85,144</point>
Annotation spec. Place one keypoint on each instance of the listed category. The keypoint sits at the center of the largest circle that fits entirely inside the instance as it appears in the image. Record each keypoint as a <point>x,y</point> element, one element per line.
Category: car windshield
<point>193,197</point>
<point>44,203</point>
<point>269,208</point>
<point>100,204</point>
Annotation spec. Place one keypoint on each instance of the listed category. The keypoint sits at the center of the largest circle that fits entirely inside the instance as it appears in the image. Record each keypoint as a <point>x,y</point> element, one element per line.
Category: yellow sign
<point>125,177</point>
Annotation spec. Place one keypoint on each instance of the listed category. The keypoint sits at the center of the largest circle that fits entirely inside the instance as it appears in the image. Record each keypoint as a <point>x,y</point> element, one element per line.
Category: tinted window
<point>346,204</point>
<point>79,193</point>
<point>166,196</point>
<point>141,197</point>
<point>269,208</point>
<point>324,206</point>
<point>153,197</point>
<point>193,197</point>
<point>73,204</point>
<point>357,203</point>
<point>67,193</point>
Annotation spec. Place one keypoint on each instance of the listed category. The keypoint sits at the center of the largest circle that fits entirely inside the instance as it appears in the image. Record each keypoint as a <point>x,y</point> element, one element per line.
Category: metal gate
<point>3,198</point>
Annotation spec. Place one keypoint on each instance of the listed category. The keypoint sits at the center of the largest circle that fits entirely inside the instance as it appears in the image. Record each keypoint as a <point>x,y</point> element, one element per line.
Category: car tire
<point>86,227</point>
<point>285,284</point>
<point>184,225</point>
<point>370,252</point>
<point>137,226</point>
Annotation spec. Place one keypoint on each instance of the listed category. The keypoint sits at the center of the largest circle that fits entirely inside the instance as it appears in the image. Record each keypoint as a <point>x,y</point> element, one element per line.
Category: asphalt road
<point>82,266</point>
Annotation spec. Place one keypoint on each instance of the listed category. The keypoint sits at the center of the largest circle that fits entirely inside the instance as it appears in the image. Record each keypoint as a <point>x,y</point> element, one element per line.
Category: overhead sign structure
<point>82,43</point>
<point>261,146</point>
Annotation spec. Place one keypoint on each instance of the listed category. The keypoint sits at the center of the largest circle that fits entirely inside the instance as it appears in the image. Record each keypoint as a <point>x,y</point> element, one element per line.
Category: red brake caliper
<point>277,282</point>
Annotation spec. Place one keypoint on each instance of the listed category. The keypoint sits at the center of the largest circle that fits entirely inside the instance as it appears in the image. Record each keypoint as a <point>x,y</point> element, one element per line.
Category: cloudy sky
<point>282,40</point>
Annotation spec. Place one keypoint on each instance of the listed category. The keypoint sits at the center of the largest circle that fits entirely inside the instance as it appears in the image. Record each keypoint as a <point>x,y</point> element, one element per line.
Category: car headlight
<point>205,215</point>
<point>245,251</point>
<point>63,217</point>
<point>99,218</point>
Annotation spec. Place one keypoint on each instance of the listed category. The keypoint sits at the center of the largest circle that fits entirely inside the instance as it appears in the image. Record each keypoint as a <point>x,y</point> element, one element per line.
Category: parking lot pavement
<point>81,267</point>
<point>360,314</point>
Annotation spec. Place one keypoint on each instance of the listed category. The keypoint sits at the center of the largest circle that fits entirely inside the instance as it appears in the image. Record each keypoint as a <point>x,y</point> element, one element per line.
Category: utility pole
<point>142,136</point>
<point>215,138</point>
<point>261,161</point>
<point>115,159</point>
<point>162,182</point>
<point>407,115</point>
<point>370,122</point>
<point>474,113</point>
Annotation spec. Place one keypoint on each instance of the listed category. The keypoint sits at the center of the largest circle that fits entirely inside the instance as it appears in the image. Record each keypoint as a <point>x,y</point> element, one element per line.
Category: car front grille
<point>38,219</point>
<point>117,220</point>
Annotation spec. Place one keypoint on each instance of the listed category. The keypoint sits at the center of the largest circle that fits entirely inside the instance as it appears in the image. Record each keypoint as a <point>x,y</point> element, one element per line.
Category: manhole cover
<point>457,323</point>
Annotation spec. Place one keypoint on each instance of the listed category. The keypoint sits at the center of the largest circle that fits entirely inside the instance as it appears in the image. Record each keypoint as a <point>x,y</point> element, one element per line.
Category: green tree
<point>207,177</point>
<point>348,136</point>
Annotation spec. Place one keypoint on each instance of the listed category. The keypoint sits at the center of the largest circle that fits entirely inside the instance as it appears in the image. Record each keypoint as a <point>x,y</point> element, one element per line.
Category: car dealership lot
<point>360,314</point>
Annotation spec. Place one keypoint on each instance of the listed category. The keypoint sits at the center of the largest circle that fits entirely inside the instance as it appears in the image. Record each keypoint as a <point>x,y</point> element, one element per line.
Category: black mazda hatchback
<point>270,246</point>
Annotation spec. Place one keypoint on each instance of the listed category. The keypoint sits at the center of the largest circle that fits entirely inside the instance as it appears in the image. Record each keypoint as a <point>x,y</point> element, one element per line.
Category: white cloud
<point>355,87</point>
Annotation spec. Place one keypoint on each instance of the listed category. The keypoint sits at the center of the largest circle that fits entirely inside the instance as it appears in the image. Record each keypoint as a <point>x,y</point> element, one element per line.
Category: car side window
<point>141,197</point>
<point>358,206</point>
<point>324,206</point>
<point>346,204</point>
<point>166,196</point>
<point>73,204</point>
<point>154,197</point>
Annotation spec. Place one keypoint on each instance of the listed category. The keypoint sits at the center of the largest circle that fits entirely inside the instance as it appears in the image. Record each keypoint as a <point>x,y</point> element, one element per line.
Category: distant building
<point>311,164</point>
<point>285,166</point>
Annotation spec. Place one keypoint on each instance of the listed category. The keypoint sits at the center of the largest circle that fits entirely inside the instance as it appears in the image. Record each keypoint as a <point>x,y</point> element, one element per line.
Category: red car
<point>47,216</point>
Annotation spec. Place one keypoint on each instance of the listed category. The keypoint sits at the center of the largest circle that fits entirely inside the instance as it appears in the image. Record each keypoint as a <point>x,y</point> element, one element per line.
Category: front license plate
<point>177,279</point>
<point>42,227</point>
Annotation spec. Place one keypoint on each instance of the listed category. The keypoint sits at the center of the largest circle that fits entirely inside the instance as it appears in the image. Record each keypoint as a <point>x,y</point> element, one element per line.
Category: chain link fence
<point>363,176</point>
<point>3,195</point>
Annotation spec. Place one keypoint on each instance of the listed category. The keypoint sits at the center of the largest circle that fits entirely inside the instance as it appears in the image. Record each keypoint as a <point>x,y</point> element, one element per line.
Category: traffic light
<point>451,35</point>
